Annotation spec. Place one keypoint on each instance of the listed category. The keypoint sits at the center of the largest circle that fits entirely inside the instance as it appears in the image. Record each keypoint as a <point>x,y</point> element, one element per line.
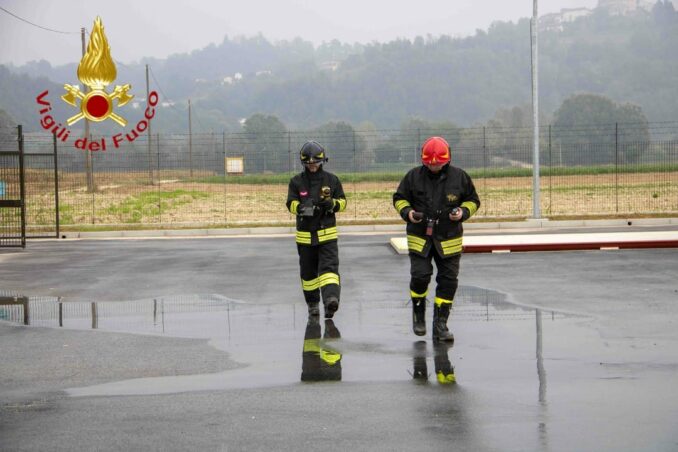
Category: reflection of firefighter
<point>419,361</point>
<point>319,362</point>
<point>441,362</point>
<point>434,199</point>
<point>443,366</point>
<point>315,195</point>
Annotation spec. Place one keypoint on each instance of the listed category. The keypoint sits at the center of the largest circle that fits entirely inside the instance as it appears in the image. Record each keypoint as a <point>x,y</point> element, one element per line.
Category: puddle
<point>278,345</point>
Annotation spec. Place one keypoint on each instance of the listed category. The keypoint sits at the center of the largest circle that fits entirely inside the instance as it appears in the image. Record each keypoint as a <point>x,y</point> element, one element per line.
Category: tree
<point>344,147</point>
<point>595,130</point>
<point>267,145</point>
<point>8,132</point>
<point>414,131</point>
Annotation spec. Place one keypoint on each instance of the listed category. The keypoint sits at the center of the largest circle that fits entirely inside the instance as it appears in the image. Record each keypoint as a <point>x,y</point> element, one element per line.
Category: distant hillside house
<point>624,7</point>
<point>329,66</point>
<point>555,21</point>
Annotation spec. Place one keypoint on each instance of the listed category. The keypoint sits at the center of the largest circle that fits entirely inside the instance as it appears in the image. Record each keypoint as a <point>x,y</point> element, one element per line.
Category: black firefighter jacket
<point>436,195</point>
<point>304,188</point>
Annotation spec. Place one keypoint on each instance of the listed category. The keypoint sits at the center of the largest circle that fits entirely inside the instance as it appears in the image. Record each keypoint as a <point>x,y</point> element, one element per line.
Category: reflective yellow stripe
<point>330,356</point>
<point>400,205</point>
<point>439,301</point>
<point>451,251</point>
<point>471,206</point>
<point>327,238</point>
<point>312,345</point>
<point>342,204</point>
<point>415,243</point>
<point>322,280</point>
<point>452,246</point>
<point>304,237</point>
<point>310,285</point>
<point>325,235</point>
<point>328,278</point>
<point>414,294</point>
<point>445,379</point>
<point>293,206</point>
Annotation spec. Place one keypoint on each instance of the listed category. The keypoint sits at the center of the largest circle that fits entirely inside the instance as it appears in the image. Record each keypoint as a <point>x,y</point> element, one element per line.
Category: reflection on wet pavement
<point>444,371</point>
<point>319,361</point>
<point>374,344</point>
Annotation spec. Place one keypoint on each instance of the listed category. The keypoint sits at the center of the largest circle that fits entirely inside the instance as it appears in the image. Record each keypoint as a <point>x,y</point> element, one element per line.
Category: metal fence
<point>231,179</point>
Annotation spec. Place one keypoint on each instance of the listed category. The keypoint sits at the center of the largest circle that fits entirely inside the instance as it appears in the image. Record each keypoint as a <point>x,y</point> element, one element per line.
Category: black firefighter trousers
<point>421,270</point>
<point>319,268</point>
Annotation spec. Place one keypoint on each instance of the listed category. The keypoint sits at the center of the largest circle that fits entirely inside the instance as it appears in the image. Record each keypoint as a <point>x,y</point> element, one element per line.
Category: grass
<point>396,176</point>
<point>121,199</point>
<point>151,203</point>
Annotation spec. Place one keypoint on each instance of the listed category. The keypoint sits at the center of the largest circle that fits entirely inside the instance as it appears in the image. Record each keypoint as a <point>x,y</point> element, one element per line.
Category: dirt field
<point>121,199</point>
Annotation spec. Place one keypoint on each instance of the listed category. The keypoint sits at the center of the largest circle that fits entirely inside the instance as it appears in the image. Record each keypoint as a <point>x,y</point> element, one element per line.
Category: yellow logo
<point>97,70</point>
<point>451,197</point>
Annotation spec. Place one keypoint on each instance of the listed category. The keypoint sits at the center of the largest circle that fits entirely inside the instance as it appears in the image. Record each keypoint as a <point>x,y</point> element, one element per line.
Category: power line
<point>39,26</point>
<point>171,104</point>
<point>159,87</point>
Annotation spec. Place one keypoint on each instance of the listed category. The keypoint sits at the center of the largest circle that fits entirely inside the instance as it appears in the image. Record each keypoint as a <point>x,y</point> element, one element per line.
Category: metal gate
<point>12,191</point>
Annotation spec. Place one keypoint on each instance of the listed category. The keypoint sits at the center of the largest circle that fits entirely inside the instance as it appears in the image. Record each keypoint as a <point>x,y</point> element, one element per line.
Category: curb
<point>398,228</point>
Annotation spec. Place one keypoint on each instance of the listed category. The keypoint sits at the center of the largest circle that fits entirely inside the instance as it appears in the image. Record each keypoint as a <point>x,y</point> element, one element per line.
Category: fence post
<point>616,165</point>
<point>289,152</point>
<point>95,316</point>
<point>484,158</point>
<point>355,177</point>
<point>157,150</point>
<point>223,162</point>
<point>56,184</point>
<point>22,185</point>
<point>90,181</point>
<point>550,172</point>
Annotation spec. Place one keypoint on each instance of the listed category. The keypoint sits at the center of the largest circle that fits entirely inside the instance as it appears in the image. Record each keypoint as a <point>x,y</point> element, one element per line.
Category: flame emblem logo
<point>97,70</point>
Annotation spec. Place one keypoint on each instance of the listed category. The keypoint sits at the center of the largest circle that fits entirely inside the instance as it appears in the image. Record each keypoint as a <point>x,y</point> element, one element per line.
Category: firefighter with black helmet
<point>435,199</point>
<point>315,196</point>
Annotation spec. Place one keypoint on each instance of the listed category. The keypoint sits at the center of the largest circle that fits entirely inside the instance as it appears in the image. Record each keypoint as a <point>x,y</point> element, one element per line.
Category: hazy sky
<point>158,28</point>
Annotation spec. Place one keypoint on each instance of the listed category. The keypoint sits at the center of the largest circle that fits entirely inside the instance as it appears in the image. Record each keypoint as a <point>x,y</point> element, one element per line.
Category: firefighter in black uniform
<point>441,360</point>
<point>314,196</point>
<point>434,199</point>
<point>320,362</point>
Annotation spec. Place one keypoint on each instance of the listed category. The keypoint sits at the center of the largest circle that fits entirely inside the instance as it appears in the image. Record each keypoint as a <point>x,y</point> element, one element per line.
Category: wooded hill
<point>466,81</point>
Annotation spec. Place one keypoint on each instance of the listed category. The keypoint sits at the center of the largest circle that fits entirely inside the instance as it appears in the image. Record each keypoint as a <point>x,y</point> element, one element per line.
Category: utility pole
<point>536,214</point>
<point>150,155</point>
<point>88,154</point>
<point>190,140</point>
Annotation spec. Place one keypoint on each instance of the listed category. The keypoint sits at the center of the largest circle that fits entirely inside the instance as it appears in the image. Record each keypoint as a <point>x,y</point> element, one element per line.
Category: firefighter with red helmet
<point>435,199</point>
<point>314,196</point>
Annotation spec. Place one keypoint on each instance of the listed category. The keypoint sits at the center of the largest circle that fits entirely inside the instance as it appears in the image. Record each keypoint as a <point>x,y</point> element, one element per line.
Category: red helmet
<point>435,151</point>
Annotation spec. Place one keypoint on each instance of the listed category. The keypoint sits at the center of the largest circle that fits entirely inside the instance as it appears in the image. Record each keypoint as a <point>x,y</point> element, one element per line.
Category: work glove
<point>326,205</point>
<point>306,209</point>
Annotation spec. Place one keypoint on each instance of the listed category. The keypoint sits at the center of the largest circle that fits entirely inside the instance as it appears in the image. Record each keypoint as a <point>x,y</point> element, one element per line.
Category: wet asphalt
<point>204,344</point>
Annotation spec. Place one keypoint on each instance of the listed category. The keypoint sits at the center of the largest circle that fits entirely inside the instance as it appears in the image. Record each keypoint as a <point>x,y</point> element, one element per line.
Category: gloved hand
<point>306,209</point>
<point>327,204</point>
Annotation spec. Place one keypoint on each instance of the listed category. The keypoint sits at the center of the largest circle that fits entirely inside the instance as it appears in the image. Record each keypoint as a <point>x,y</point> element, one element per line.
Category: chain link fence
<point>235,179</point>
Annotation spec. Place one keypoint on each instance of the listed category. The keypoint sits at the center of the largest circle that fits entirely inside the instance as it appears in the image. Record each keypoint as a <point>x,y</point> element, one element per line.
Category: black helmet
<point>312,152</point>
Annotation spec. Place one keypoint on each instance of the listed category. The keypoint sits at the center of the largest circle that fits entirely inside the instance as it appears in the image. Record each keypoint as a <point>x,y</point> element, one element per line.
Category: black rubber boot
<point>443,366</point>
<point>331,330</point>
<point>331,306</point>
<point>419,316</point>
<point>440,331</point>
<point>419,361</point>
<point>313,309</point>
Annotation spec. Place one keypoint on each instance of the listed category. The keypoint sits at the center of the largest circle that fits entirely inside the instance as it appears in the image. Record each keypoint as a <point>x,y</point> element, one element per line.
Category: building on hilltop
<point>555,21</point>
<point>624,7</point>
